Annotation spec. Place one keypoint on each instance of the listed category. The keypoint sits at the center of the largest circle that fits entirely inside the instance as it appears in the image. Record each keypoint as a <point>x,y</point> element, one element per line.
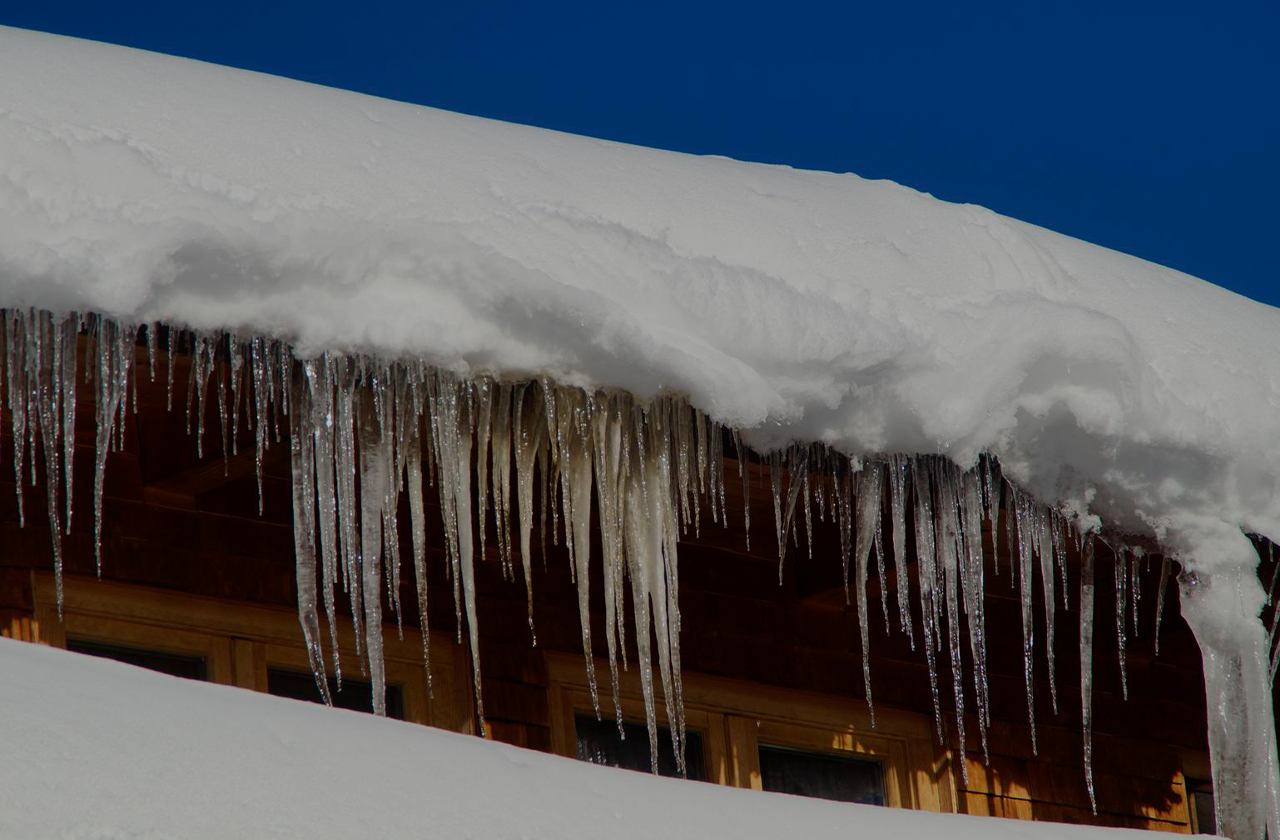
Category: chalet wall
<point>178,523</point>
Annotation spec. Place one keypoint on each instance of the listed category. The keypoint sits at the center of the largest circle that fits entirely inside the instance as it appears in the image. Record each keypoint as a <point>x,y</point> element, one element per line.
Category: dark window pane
<point>176,664</point>
<point>1201,791</point>
<point>355,694</point>
<point>821,775</point>
<point>599,743</point>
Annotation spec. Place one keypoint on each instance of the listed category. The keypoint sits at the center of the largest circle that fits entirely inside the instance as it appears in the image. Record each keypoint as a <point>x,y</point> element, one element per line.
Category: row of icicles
<point>362,431</point>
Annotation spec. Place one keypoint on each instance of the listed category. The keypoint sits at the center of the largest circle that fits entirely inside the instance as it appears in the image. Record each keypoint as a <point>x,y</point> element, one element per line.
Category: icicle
<point>530,437</point>
<point>744,464</point>
<point>686,491</point>
<point>881,578</point>
<point>172,358</point>
<point>375,462</point>
<point>797,482</point>
<point>1222,612</point>
<point>304,528</point>
<point>114,347</point>
<point>1135,588</point>
<point>1121,585</point>
<point>484,420</point>
<point>948,540</point>
<point>261,385</point>
<point>388,380</point>
<point>898,513</point>
<point>607,429</point>
<point>16,355</point>
<point>775,480</point>
<point>577,454</point>
<point>500,443</point>
<point>418,521</point>
<point>1086,662</point>
<point>67,384</point>
<point>322,421</point>
<point>1055,548</point>
<point>345,478</point>
<point>1024,567</point>
<point>455,424</point>
<point>666,610</point>
<point>45,379</point>
<point>650,530</point>
<point>153,347</point>
<point>870,482</point>
<point>1165,565</point>
<point>974,517</point>
<point>715,477</point>
<point>927,579</point>
<point>224,412</point>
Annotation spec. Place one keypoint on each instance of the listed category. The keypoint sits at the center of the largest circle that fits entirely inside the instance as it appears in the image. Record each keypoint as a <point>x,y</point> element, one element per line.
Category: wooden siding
<point>177,526</point>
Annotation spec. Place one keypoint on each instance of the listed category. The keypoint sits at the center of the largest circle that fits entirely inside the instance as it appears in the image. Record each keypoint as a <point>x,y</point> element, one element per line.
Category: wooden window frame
<point>240,641</point>
<point>736,716</point>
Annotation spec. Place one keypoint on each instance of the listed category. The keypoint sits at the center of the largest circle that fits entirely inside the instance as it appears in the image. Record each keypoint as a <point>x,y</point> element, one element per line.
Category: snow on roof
<point>796,305</point>
<point>97,749</point>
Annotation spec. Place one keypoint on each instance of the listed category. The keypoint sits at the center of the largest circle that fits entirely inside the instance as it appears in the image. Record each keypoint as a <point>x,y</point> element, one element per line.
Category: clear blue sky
<point>1149,127</point>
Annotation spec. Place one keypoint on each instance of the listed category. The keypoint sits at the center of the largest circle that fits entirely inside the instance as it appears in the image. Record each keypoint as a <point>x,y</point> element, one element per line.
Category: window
<point>247,645</point>
<point>1203,818</point>
<point>355,695</point>
<point>599,742</point>
<point>823,776</point>
<point>760,737</point>
<point>174,664</point>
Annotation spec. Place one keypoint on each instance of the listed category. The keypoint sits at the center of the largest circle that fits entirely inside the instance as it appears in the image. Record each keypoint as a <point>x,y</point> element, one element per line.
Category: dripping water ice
<point>362,432</point>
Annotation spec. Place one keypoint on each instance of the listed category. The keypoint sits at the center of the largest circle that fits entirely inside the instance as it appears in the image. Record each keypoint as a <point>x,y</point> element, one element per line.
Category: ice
<point>319,382</point>
<point>302,462</point>
<point>114,351</point>
<point>1086,661</point>
<point>374,462</point>
<point>947,547</point>
<point>1165,566</point>
<point>1221,611</point>
<point>870,481</point>
<point>361,432</point>
<point>530,436</point>
<point>1023,565</point>
<point>927,578</point>
<point>898,466</point>
<point>1122,585</point>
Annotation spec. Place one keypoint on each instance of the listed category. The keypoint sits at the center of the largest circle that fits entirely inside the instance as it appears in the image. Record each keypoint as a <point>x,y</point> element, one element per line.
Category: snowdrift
<point>99,750</point>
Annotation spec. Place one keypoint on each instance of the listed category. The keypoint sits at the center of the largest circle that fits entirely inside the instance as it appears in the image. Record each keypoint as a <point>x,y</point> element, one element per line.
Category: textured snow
<point>97,750</point>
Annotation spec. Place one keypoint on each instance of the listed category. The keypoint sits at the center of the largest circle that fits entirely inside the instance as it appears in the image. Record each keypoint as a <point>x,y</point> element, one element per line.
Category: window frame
<point>736,716</point>
<point>240,641</point>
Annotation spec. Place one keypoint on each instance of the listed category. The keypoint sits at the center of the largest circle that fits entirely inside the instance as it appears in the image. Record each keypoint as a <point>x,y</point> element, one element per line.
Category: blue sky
<point>1149,127</point>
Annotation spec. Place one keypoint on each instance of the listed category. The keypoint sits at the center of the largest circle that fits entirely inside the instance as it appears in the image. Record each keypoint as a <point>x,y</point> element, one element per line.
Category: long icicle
<point>1086,661</point>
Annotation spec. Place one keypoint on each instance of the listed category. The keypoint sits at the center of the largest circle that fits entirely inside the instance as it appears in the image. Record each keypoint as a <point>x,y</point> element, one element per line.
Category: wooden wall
<point>174,522</point>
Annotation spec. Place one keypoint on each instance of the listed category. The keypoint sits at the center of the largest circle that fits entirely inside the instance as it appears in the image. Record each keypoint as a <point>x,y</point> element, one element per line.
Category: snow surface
<point>97,750</point>
<point>798,305</point>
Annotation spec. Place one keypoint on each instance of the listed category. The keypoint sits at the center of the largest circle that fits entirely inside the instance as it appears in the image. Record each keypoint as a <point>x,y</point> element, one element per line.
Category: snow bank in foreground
<point>801,305</point>
<point>96,749</point>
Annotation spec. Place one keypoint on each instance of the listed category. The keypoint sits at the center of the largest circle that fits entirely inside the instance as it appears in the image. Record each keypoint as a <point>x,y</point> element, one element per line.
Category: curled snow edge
<point>326,247</point>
